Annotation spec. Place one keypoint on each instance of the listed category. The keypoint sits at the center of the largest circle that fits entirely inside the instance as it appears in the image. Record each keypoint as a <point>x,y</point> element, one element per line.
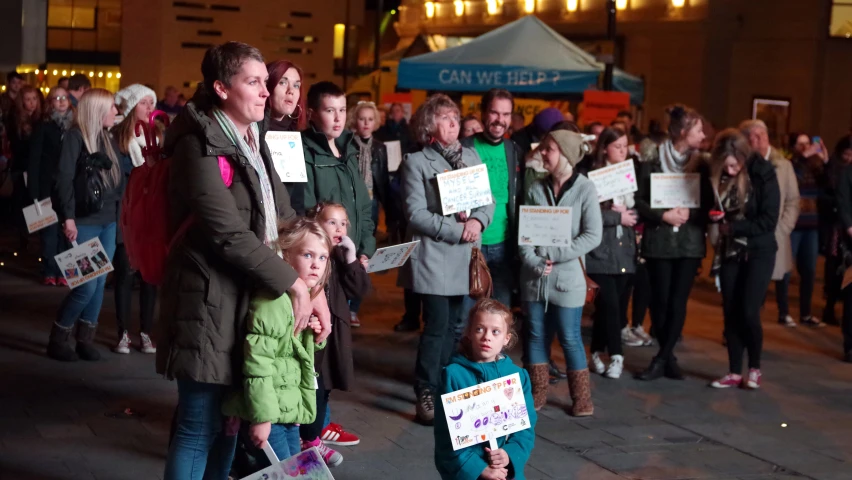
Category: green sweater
<point>278,367</point>
<point>494,158</point>
<point>468,463</point>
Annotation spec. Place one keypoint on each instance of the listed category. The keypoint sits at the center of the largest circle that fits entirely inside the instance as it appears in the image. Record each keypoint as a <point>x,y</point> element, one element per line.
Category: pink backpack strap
<point>226,170</point>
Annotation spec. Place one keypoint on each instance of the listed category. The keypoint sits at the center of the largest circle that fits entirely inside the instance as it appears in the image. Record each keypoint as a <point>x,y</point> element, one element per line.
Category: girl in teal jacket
<point>279,381</point>
<point>488,332</point>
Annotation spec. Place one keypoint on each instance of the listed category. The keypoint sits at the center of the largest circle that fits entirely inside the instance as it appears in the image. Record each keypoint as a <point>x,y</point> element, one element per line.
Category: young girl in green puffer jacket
<point>278,390</point>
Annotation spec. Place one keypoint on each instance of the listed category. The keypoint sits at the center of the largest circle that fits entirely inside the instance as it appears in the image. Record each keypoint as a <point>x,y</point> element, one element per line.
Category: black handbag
<point>89,185</point>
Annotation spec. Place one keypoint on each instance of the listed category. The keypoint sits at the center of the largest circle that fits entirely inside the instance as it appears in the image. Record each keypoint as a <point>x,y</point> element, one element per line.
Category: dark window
<point>226,8</point>
<point>190,18</point>
<point>297,50</point>
<point>301,14</point>
<point>189,5</point>
<point>205,46</point>
<point>204,6</point>
<point>210,33</point>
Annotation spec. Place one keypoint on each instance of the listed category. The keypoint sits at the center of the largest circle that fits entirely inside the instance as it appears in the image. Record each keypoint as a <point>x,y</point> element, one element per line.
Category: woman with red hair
<point>285,109</point>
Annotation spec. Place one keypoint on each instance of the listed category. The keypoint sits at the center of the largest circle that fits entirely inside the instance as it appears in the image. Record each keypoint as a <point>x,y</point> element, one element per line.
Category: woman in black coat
<point>45,147</point>
<point>748,202</point>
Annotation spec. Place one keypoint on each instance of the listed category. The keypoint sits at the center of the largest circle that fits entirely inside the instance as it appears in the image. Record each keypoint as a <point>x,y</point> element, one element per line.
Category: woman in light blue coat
<point>438,269</point>
<point>553,282</point>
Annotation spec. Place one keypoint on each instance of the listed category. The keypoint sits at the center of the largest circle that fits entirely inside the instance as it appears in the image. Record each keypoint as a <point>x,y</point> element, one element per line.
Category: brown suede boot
<point>86,341</point>
<point>59,346</point>
<point>540,378</point>
<point>581,393</point>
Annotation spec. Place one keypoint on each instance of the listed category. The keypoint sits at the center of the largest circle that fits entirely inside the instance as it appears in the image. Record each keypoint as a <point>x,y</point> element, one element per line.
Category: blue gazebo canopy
<point>525,56</point>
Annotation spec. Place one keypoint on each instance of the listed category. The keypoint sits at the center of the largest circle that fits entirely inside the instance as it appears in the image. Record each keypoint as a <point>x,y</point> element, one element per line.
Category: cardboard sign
<point>394,155</point>
<point>307,465</point>
<point>40,215</point>
<point>614,180</point>
<point>464,189</point>
<point>675,190</point>
<point>545,226</point>
<point>84,262</point>
<point>391,257</point>
<point>601,106</point>
<point>287,156</point>
<point>485,412</point>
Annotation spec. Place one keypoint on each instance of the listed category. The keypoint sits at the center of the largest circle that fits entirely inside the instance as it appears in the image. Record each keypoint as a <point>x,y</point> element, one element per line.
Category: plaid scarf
<point>250,148</point>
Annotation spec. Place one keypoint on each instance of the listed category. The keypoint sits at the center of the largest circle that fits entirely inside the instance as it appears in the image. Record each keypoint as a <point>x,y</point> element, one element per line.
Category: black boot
<point>85,341</point>
<point>59,347</point>
<point>673,370</point>
<point>654,371</point>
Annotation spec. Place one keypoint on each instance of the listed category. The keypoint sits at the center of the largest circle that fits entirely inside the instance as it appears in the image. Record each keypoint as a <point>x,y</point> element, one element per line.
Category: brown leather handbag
<point>591,287</point>
<point>480,276</point>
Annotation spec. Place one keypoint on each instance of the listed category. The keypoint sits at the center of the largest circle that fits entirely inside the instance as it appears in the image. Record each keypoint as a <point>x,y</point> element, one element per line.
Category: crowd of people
<point>264,282</point>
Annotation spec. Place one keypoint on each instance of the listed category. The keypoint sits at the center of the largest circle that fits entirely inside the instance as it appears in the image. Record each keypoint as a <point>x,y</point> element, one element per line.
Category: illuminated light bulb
<point>100,74</point>
<point>55,72</point>
<point>393,12</point>
<point>572,5</point>
<point>459,6</point>
<point>37,71</point>
<point>430,9</point>
<point>91,74</point>
<point>678,3</point>
<point>47,89</point>
<point>621,4</point>
<point>109,75</point>
<point>491,6</point>
<point>64,72</point>
<point>783,425</point>
<point>39,259</point>
<point>15,254</point>
<point>117,75</point>
<point>2,264</point>
<point>73,72</point>
<point>529,6</point>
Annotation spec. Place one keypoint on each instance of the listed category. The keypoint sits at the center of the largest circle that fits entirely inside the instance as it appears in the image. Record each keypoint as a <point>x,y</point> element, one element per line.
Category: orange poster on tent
<point>600,106</point>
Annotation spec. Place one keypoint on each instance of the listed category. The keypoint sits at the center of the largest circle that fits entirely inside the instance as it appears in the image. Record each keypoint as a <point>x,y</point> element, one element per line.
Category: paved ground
<point>57,421</point>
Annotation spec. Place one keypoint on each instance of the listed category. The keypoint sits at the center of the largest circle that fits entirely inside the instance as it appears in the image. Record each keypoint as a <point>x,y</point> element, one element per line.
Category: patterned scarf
<point>250,149</point>
<point>365,161</point>
<point>452,153</point>
<point>64,120</point>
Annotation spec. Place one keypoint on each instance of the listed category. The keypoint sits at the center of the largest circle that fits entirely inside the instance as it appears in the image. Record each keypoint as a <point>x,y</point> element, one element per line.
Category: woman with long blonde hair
<point>83,219</point>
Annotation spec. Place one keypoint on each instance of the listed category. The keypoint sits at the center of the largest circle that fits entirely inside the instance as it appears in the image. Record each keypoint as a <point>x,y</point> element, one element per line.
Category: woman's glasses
<point>59,98</point>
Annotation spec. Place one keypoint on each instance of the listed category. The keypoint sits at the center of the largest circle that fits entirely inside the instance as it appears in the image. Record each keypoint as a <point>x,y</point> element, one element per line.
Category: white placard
<point>287,156</point>
<point>534,145</point>
<point>545,226</point>
<point>614,180</point>
<point>307,465</point>
<point>394,149</point>
<point>84,263</point>
<point>391,257</point>
<point>675,190</point>
<point>464,189</point>
<point>40,215</point>
<point>485,412</point>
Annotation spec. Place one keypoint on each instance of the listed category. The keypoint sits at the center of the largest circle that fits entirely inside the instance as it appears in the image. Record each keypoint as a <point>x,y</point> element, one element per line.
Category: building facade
<point>718,56</point>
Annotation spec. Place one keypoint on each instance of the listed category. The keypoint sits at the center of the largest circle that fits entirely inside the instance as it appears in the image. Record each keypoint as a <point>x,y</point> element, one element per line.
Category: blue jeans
<point>84,302</point>
<point>500,267</point>
<point>53,242</point>
<point>284,440</point>
<point>200,450</point>
<point>567,323</point>
<point>805,245</point>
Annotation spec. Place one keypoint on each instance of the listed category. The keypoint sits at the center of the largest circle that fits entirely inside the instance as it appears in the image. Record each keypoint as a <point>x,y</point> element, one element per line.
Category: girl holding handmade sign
<point>489,331</point>
<point>612,264</point>
<point>674,239</point>
<point>286,112</point>
<point>553,284</point>
<point>749,200</point>
<point>277,391</point>
<point>347,280</point>
<point>85,218</point>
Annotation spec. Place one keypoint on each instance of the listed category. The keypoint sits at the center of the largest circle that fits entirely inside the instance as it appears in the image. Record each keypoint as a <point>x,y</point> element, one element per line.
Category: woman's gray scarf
<point>452,153</point>
<point>365,161</point>
<point>64,120</point>
<point>671,160</point>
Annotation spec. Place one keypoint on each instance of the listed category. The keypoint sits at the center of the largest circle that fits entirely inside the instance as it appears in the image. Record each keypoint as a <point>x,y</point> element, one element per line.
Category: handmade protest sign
<point>675,190</point>
<point>307,465</point>
<point>614,180</point>
<point>464,189</point>
<point>394,149</point>
<point>84,262</point>
<point>486,412</point>
<point>544,226</point>
<point>391,257</point>
<point>40,215</point>
<point>287,155</point>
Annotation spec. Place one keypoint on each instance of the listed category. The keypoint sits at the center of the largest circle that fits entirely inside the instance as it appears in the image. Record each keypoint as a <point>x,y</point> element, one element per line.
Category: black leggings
<point>124,276</point>
<point>610,309</point>
<point>672,280</point>
<point>744,284</point>
<point>310,431</point>
<point>641,283</point>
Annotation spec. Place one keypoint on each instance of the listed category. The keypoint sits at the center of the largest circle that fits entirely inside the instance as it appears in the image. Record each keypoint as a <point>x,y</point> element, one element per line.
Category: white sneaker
<point>787,321</point>
<point>123,346</point>
<point>354,321</point>
<point>148,345</point>
<point>639,332</point>
<point>629,339</point>
<point>598,364</point>
<point>616,366</point>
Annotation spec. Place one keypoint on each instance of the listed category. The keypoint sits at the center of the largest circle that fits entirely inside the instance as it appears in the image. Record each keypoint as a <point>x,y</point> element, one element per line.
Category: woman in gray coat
<point>553,284</point>
<point>438,267</point>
